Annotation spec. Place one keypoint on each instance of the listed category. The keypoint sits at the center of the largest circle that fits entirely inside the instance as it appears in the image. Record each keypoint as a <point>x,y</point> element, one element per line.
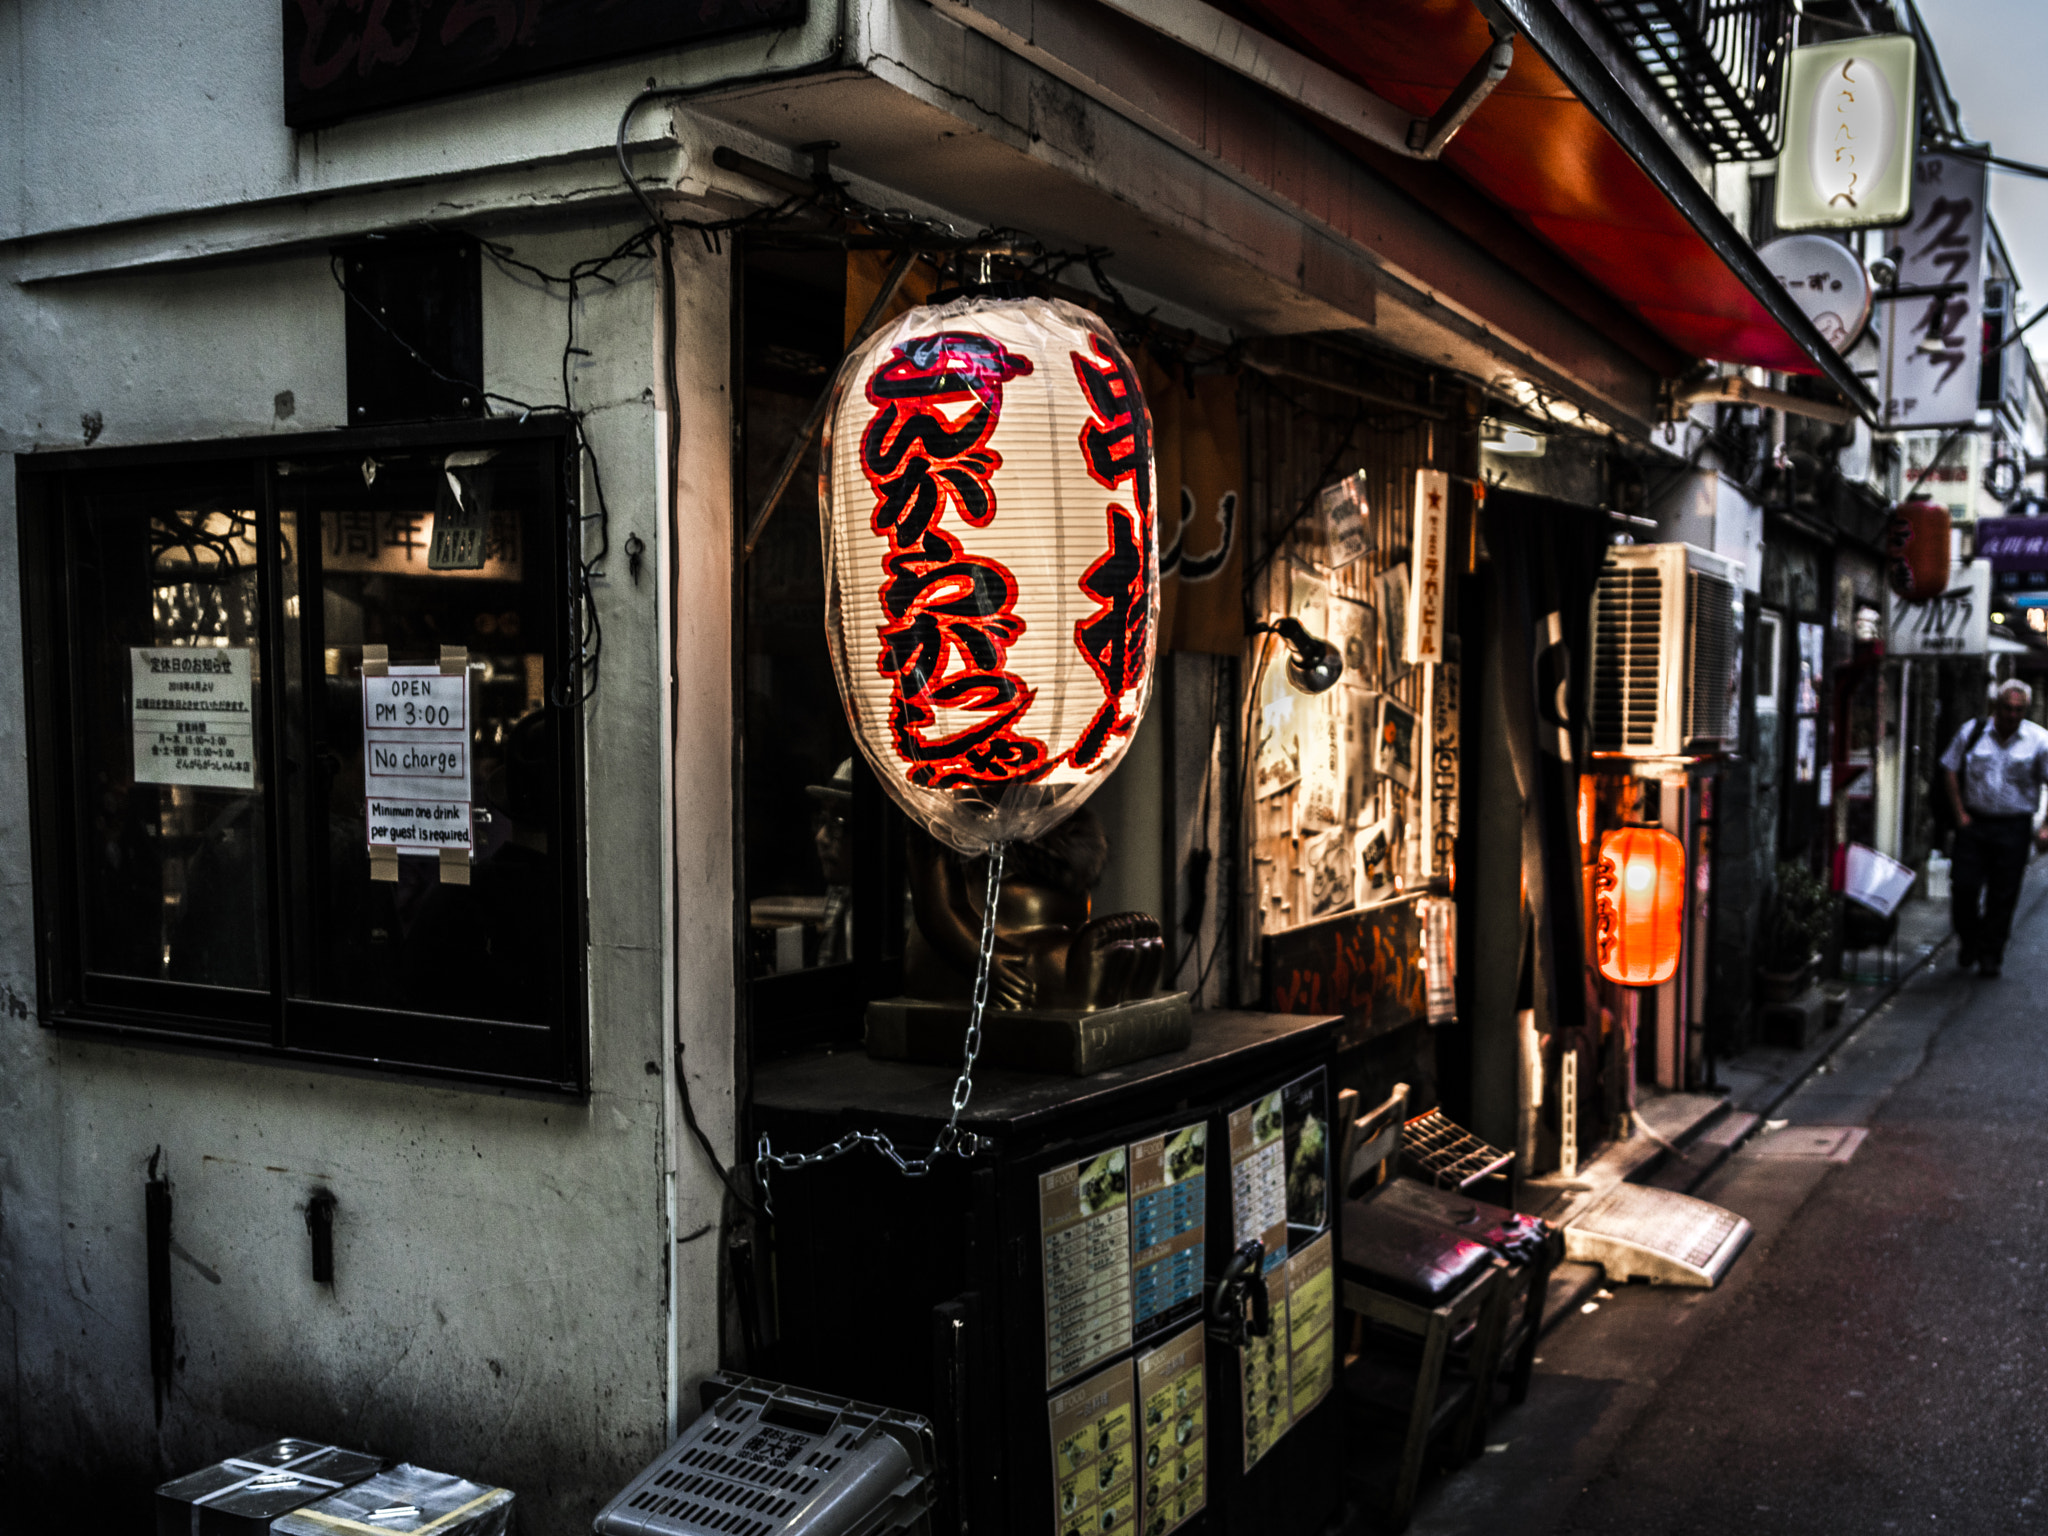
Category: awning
<point>1570,154</point>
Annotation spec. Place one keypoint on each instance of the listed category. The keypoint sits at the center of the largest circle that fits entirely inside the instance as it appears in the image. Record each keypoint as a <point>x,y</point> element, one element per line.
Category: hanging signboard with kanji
<point>1849,121</point>
<point>1934,330</point>
<point>1957,623</point>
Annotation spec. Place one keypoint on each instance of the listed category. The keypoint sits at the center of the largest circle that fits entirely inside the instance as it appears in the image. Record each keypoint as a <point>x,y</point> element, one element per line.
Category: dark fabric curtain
<point>1545,558</point>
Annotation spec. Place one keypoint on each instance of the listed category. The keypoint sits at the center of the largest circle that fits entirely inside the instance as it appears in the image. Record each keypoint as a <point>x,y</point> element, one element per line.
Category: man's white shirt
<point>2001,778</point>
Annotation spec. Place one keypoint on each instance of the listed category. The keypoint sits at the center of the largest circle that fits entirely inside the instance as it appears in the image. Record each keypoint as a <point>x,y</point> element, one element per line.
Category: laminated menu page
<point>1258,1177</point>
<point>1173,1419</point>
<point>1311,1325</point>
<point>1263,1391</point>
<point>1085,1235</point>
<point>1168,1227</point>
<point>1095,1454</point>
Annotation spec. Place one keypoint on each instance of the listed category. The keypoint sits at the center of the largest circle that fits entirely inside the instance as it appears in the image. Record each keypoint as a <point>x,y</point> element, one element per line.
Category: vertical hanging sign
<point>1849,114</point>
<point>1934,332</point>
<point>1427,543</point>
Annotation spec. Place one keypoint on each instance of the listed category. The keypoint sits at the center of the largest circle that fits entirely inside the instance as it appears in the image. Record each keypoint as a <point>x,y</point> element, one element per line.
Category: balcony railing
<point>1720,62</point>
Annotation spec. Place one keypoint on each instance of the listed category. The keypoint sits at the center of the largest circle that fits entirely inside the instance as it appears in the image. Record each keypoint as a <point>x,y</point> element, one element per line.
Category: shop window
<point>303,778</point>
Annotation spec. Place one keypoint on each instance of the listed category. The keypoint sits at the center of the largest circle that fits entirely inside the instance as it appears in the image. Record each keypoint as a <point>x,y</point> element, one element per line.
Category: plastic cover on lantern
<point>987,506</point>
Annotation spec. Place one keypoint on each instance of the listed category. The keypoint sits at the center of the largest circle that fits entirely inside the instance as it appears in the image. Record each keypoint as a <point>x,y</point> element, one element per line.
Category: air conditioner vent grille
<point>1628,655</point>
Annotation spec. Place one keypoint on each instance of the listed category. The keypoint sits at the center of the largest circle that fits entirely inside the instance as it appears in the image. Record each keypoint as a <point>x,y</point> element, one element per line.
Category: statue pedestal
<point>1063,1040</point>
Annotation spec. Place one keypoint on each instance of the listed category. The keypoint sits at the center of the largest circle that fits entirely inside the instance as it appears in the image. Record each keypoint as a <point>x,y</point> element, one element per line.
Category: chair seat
<point>1517,1238</point>
<point>1392,1246</point>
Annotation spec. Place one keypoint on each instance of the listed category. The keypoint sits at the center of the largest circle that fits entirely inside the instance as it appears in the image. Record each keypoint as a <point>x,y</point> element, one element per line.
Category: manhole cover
<point>1811,1143</point>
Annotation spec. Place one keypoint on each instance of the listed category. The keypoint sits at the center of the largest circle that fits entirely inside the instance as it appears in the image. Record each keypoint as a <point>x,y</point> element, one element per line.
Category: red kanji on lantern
<point>1639,905</point>
<point>991,561</point>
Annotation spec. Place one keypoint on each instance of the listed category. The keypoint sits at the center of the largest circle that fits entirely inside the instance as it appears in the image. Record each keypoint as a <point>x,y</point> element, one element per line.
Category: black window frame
<point>551,1058</point>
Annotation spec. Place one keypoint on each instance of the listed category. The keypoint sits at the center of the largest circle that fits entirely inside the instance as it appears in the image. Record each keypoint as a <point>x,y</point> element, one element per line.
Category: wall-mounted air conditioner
<point>1667,652</point>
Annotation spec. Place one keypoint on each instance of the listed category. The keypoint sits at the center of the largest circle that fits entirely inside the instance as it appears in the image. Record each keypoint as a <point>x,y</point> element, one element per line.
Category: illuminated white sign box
<point>1849,120</point>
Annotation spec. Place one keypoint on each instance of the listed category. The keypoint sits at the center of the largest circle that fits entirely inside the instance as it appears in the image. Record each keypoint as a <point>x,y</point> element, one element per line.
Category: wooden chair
<point>1410,1281</point>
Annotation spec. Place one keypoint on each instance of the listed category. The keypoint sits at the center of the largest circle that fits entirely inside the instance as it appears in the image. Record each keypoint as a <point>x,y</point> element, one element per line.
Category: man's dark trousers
<point>1991,856</point>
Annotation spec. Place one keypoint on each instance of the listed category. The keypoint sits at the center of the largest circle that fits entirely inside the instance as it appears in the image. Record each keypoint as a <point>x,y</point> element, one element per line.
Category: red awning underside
<point>1535,149</point>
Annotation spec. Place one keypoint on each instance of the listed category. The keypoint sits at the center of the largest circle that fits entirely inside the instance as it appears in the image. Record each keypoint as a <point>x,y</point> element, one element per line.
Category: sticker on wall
<point>1094,1455</point>
<point>1169,1194</point>
<point>1085,1234</point>
<point>1174,1412</point>
<point>191,716</point>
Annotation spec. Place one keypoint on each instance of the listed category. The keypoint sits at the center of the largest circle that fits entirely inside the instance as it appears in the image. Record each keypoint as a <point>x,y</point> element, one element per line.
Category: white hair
<point>2012,685</point>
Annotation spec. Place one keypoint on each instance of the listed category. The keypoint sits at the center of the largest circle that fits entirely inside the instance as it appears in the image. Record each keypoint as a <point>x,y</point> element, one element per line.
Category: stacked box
<point>242,1495</point>
<point>407,1501</point>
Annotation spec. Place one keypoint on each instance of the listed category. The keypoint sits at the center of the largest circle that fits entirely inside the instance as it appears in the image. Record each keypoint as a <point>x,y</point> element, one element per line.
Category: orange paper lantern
<point>1917,542</point>
<point>1639,905</point>
<point>991,561</point>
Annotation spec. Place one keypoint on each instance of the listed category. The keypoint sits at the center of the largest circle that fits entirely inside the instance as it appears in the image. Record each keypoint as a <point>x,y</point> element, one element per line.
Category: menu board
<point>1258,1177</point>
<point>1094,1455</point>
<point>1263,1391</point>
<point>1084,1229</point>
<point>1174,1431</point>
<point>1168,1227</point>
<point>1311,1325</point>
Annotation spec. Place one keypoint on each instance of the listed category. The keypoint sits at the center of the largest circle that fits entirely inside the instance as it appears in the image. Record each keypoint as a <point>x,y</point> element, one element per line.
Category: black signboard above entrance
<point>343,58</point>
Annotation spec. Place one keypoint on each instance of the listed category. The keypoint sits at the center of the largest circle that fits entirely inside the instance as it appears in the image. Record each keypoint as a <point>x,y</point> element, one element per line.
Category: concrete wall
<point>501,1305</point>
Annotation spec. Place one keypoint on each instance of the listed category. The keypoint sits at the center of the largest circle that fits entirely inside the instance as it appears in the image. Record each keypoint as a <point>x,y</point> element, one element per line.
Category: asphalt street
<point>1875,1361</point>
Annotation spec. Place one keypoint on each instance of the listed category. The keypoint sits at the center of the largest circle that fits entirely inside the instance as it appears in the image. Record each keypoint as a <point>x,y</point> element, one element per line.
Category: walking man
<point>1994,778</point>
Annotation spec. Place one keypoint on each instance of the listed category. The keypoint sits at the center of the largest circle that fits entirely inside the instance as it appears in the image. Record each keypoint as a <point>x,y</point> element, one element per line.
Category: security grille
<point>1720,63</point>
<point>1628,659</point>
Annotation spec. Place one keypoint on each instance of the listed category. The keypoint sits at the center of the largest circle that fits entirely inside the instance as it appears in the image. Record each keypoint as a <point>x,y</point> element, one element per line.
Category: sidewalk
<point>1682,1138</point>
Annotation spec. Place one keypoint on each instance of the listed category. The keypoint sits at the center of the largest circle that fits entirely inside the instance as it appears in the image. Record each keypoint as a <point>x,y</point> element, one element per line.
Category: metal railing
<point>1719,62</point>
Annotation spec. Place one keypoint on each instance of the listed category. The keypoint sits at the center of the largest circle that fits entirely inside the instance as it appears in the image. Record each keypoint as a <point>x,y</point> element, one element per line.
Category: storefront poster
<point>1393,605</point>
<point>1174,1410</point>
<point>191,716</point>
<point>1278,757</point>
<point>1264,1391</point>
<point>416,776</point>
<point>1311,1325</point>
<point>1084,1230</point>
<point>1330,871</point>
<point>1258,1177</point>
<point>1094,1455</point>
<point>1169,1190</point>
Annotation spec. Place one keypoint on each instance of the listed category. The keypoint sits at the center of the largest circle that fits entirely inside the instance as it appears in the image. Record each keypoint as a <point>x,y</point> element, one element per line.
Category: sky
<point>1995,56</point>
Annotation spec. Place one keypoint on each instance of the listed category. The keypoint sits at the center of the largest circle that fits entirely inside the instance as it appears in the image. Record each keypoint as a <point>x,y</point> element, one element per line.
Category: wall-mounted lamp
<point>1496,436</point>
<point>1314,665</point>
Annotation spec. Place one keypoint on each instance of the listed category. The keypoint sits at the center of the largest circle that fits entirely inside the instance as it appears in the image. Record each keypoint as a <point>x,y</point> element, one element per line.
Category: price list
<point>1168,1225</point>
<point>1311,1325</point>
<point>1085,1235</point>
<point>1094,1455</point>
<point>1258,1177</point>
<point>1174,1413</point>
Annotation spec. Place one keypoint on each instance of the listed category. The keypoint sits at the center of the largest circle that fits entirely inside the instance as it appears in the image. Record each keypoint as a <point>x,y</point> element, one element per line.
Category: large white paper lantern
<point>991,561</point>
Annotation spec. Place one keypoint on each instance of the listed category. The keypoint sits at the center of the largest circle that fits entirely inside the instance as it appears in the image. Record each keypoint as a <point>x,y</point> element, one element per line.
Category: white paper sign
<point>191,716</point>
<point>1957,623</point>
<point>1425,638</point>
<point>416,760</point>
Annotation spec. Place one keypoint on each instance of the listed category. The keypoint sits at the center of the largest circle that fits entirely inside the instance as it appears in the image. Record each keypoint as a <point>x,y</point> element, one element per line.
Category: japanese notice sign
<point>1258,1177</point>
<point>1427,548</point>
<point>191,717</point>
<point>1173,1414</point>
<point>1311,1325</point>
<point>1262,1365</point>
<point>1168,1194</point>
<point>1934,333</point>
<point>1444,711</point>
<point>1095,1455</point>
<point>1085,1234</point>
<point>416,760</point>
<point>1957,623</point>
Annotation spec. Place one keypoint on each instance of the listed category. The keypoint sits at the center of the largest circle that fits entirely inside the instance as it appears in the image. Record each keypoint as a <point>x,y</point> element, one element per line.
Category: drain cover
<point>1813,1143</point>
<point>1636,1232</point>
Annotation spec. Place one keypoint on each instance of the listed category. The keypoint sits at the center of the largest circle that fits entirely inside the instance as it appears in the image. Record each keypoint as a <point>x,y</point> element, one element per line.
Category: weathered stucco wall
<point>501,1304</point>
